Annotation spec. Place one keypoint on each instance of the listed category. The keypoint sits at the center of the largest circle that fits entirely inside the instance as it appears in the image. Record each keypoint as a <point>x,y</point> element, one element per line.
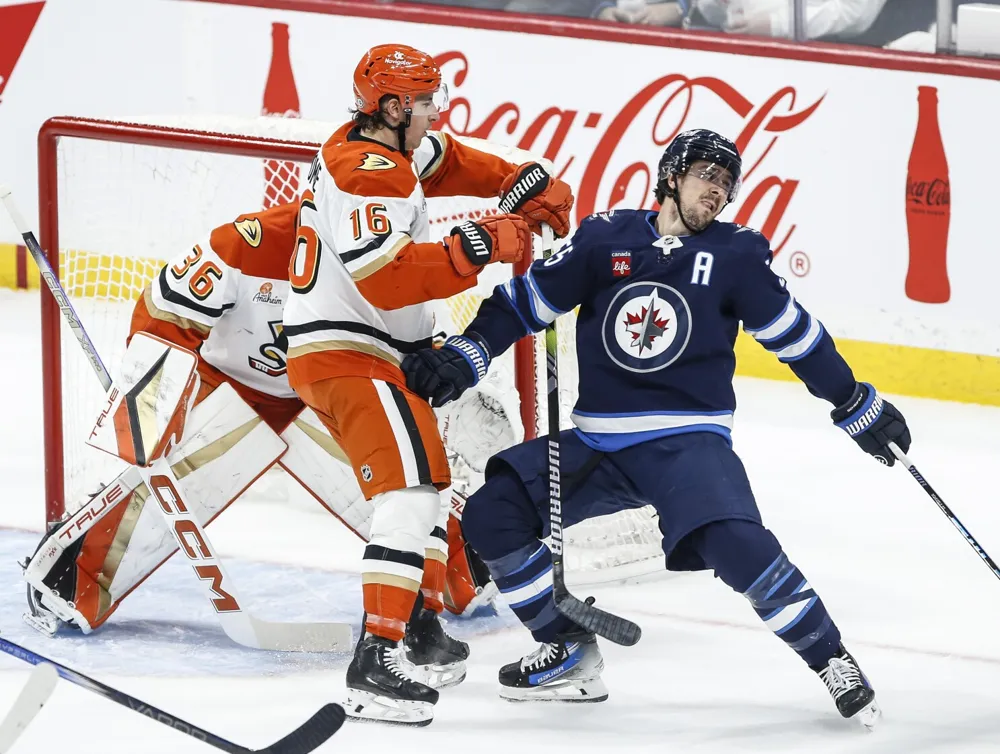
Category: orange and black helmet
<point>394,69</point>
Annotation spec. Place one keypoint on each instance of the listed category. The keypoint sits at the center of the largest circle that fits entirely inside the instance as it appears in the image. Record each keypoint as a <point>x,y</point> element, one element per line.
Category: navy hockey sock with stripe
<point>748,558</point>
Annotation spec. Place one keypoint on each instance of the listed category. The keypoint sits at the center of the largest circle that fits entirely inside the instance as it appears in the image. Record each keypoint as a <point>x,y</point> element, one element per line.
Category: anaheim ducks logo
<point>250,230</point>
<point>375,162</point>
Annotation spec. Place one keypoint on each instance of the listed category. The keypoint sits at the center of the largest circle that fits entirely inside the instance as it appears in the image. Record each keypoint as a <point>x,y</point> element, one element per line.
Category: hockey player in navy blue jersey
<point>661,296</point>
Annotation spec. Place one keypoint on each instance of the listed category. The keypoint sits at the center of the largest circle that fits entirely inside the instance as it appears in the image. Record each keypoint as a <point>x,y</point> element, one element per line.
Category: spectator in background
<point>654,12</point>
<point>911,24</point>
<point>899,24</point>
<point>645,12</point>
<point>826,19</point>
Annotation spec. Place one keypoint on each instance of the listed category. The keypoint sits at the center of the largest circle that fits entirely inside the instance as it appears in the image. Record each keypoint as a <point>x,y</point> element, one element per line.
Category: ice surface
<point>916,606</point>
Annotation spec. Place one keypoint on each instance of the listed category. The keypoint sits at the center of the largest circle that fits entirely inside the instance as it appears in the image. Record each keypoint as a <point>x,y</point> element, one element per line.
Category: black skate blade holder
<point>607,625</point>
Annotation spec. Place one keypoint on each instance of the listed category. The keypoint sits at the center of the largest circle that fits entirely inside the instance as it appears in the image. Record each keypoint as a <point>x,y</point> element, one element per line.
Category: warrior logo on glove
<point>537,197</point>
<point>530,183</point>
<point>475,243</point>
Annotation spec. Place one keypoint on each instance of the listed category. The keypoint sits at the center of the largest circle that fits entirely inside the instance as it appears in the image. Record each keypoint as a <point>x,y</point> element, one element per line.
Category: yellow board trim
<point>905,370</point>
<point>8,266</point>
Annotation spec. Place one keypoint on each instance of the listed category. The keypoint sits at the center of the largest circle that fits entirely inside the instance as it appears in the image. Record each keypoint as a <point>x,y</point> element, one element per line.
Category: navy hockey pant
<point>707,515</point>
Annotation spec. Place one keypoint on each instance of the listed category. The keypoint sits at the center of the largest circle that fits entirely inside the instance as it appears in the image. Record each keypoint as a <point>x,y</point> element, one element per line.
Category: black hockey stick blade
<point>308,736</point>
<point>611,627</point>
<point>312,734</point>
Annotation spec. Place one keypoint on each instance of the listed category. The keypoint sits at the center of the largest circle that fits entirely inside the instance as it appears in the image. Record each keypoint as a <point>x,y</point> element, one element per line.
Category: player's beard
<point>698,217</point>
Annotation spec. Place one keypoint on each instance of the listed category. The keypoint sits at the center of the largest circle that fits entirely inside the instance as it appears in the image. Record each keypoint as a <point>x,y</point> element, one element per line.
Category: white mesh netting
<point>125,208</point>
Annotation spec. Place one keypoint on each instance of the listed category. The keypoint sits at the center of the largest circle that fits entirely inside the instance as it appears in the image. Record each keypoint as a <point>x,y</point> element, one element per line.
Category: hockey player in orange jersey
<point>223,299</point>
<point>361,278</point>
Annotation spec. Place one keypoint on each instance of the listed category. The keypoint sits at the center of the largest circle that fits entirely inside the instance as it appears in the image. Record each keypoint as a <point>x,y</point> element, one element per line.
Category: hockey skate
<point>850,689</point>
<point>40,618</point>
<point>49,601</point>
<point>433,657</point>
<point>566,670</point>
<point>379,690</point>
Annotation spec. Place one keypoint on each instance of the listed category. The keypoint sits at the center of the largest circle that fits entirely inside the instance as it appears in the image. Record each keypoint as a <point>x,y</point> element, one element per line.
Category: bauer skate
<point>380,691</point>
<point>433,657</point>
<point>566,670</point>
<point>850,689</point>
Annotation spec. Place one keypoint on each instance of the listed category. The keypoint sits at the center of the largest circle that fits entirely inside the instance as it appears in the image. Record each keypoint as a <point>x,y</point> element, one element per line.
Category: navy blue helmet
<point>689,147</point>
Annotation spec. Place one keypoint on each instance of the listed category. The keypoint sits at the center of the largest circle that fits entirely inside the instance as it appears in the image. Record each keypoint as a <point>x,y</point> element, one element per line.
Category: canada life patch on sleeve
<point>621,263</point>
<point>375,162</point>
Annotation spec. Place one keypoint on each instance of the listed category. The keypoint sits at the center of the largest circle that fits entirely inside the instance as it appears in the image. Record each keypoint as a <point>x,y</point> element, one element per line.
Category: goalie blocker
<point>94,558</point>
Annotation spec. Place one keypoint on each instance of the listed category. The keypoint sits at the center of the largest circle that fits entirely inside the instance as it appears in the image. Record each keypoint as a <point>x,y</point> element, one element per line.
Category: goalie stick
<point>239,624</point>
<point>29,703</point>
<point>944,508</point>
<point>612,627</point>
<point>308,736</point>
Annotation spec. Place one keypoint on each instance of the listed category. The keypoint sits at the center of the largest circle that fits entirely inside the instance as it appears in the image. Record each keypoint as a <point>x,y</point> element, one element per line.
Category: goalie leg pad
<point>104,551</point>
<point>468,583</point>
<point>393,564</point>
<point>146,407</point>
<point>278,413</point>
<point>317,462</point>
<point>70,571</point>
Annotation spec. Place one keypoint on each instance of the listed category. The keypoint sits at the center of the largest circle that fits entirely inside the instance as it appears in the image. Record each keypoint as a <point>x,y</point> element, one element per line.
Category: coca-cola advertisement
<point>831,147</point>
<point>610,157</point>
<point>281,100</point>
<point>928,206</point>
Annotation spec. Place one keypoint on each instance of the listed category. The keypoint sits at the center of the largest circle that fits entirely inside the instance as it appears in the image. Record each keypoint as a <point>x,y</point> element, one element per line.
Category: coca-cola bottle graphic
<point>928,206</point>
<point>281,99</point>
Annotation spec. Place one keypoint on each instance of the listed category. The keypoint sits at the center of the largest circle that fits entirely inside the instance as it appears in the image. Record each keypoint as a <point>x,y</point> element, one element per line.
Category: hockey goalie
<point>223,300</point>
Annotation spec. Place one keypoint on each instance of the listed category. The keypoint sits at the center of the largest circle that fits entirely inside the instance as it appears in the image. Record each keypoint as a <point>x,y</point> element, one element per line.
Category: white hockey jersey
<point>364,270</point>
<point>225,298</point>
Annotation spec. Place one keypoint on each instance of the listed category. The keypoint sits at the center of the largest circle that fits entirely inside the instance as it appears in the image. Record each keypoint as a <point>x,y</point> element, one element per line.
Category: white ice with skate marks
<point>918,610</point>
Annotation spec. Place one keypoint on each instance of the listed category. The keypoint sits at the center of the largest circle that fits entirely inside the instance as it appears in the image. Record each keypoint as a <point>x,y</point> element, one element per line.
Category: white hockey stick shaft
<point>58,292</point>
<point>30,701</point>
<point>239,625</point>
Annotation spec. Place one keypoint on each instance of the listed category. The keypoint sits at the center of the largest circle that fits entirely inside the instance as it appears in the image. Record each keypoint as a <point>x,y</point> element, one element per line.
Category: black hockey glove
<point>441,375</point>
<point>873,423</point>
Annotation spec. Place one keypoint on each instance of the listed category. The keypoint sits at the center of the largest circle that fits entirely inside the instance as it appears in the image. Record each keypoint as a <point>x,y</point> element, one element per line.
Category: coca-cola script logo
<point>936,193</point>
<point>620,168</point>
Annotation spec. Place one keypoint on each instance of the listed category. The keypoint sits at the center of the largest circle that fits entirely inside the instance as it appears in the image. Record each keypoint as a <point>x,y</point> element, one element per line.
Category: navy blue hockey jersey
<point>657,324</point>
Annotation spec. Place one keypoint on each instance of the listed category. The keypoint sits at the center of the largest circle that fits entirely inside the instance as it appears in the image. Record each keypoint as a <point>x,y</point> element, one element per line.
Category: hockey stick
<point>611,627</point>
<point>29,703</point>
<point>308,736</point>
<point>240,625</point>
<point>944,508</point>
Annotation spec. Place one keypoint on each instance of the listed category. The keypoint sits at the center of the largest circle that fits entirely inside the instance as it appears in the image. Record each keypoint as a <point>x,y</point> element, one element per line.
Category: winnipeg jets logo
<point>646,327</point>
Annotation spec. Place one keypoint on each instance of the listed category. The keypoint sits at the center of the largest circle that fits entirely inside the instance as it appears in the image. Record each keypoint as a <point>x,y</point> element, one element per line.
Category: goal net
<point>118,199</point>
